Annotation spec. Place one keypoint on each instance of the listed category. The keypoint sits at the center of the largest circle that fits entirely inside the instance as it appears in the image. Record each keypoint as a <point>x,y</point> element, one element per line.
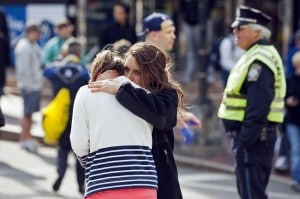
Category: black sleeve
<point>259,94</point>
<point>159,109</point>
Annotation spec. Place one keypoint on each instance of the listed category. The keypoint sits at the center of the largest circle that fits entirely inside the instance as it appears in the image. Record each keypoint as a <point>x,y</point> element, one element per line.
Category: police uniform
<point>252,107</point>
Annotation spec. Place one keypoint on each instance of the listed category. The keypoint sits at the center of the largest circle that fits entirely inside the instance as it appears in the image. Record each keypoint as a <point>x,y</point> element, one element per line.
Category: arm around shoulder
<point>155,108</point>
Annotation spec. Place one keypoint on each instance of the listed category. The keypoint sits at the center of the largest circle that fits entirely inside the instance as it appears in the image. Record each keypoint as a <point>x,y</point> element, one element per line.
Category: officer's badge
<point>254,72</point>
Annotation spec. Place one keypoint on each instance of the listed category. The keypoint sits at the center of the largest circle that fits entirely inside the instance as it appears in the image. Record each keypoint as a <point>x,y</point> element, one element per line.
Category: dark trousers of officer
<point>254,165</point>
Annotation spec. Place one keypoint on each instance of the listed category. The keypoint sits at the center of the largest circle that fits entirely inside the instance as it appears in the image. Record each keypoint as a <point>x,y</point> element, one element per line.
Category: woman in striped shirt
<point>111,143</point>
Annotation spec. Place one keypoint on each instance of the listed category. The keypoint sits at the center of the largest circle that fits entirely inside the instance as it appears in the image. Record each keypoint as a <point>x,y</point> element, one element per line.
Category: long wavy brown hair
<point>106,60</point>
<point>155,66</point>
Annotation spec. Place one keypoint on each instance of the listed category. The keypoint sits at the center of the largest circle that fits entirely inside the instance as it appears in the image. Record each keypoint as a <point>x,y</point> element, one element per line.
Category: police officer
<point>253,101</point>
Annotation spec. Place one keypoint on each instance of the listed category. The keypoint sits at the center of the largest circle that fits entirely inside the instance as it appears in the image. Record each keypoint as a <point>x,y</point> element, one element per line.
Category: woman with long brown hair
<point>149,67</point>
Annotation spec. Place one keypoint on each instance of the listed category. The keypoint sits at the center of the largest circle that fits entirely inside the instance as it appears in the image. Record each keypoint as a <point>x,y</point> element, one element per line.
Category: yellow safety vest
<point>234,103</point>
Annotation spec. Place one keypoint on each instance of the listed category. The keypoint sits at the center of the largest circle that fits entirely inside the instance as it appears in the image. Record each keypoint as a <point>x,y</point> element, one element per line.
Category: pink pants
<point>132,193</point>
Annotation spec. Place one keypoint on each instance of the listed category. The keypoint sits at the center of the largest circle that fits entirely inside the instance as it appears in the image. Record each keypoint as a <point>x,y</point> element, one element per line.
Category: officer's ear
<point>257,33</point>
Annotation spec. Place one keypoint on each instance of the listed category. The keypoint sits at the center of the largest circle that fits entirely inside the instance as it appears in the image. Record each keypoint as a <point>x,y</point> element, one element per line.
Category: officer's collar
<point>260,42</point>
<point>263,42</point>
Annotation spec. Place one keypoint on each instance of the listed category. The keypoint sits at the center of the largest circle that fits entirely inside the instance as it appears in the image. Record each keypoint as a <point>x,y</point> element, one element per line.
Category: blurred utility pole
<point>81,22</point>
<point>230,11</point>
<point>142,9</point>
<point>203,53</point>
<point>139,12</point>
<point>204,106</point>
<point>286,16</point>
<point>240,2</point>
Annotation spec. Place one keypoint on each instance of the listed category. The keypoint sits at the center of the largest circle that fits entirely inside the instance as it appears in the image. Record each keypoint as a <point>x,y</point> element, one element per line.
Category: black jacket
<point>160,110</point>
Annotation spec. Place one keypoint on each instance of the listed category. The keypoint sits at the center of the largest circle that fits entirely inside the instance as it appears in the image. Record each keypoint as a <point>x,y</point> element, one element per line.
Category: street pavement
<point>30,176</point>
<point>219,185</point>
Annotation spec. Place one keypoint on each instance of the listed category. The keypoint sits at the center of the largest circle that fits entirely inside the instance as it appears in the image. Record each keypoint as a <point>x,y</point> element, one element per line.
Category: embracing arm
<point>155,108</point>
<point>159,109</point>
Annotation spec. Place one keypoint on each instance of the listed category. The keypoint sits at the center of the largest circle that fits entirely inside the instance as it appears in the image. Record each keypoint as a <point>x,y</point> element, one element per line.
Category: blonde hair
<point>106,60</point>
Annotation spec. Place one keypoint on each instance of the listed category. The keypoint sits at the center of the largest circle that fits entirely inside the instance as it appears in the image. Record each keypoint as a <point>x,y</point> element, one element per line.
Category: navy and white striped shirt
<point>119,167</point>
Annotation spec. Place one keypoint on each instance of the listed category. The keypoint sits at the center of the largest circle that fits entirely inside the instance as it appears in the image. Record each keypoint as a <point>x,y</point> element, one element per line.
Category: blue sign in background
<point>16,19</point>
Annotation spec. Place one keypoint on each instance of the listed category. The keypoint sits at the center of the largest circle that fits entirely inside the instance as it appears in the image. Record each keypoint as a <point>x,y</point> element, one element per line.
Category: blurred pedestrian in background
<point>229,55</point>
<point>253,102</point>
<point>119,28</point>
<point>281,164</point>
<point>191,27</point>
<point>159,29</point>
<point>292,121</point>
<point>289,69</point>
<point>67,73</point>
<point>52,49</point>
<point>29,79</point>
<point>4,49</point>
<point>103,129</point>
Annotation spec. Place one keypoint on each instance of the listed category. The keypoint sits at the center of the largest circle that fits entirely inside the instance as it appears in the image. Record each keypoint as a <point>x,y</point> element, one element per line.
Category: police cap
<point>245,15</point>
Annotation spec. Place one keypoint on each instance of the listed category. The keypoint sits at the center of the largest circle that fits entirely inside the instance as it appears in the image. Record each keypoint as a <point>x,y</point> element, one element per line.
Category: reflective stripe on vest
<point>234,103</point>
